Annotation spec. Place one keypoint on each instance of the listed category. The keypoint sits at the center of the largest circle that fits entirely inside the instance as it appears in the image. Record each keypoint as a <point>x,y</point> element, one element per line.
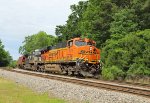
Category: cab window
<point>90,43</point>
<point>80,43</point>
<point>70,43</point>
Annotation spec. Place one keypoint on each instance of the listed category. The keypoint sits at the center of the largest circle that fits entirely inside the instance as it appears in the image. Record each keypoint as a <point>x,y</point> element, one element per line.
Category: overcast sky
<point>19,18</point>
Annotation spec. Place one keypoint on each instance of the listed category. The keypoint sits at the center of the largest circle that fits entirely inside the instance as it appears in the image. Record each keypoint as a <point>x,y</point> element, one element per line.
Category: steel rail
<point>109,86</point>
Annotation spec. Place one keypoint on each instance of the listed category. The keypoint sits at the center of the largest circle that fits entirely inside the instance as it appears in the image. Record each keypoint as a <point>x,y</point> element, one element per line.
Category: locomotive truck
<point>76,56</point>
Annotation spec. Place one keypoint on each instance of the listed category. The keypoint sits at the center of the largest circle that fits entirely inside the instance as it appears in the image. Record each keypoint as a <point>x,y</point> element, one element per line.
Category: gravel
<point>72,92</point>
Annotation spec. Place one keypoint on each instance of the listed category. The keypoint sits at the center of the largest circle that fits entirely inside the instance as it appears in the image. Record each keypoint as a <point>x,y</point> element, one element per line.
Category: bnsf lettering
<point>87,52</point>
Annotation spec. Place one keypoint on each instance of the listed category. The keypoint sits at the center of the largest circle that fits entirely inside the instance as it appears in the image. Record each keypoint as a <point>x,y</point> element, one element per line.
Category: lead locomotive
<point>76,56</point>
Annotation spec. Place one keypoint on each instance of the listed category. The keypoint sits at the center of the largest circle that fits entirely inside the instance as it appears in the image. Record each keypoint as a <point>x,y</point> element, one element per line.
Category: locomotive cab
<point>85,55</point>
<point>84,49</point>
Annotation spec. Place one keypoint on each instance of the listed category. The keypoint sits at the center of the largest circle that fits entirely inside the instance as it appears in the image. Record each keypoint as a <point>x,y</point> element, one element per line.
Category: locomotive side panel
<point>55,56</point>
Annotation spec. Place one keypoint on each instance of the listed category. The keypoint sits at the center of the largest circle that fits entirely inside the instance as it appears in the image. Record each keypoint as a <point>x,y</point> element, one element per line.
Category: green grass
<point>10,92</point>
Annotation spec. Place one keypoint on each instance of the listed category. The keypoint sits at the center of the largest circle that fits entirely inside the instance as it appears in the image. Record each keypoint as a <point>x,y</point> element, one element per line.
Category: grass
<point>10,92</point>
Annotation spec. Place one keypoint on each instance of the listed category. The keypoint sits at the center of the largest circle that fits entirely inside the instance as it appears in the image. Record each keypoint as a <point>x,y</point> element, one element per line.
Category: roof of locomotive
<point>84,39</point>
<point>57,46</point>
<point>62,45</point>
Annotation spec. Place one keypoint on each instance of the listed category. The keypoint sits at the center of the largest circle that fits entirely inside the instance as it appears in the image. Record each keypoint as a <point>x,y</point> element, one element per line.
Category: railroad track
<point>92,83</point>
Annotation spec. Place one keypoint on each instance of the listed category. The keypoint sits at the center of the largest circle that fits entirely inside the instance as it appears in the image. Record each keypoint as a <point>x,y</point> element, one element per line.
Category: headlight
<point>90,48</point>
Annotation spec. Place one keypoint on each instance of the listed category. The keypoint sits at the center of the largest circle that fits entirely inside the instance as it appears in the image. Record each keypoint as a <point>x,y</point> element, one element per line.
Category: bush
<point>112,73</point>
<point>130,53</point>
<point>138,70</point>
<point>5,57</point>
<point>13,64</point>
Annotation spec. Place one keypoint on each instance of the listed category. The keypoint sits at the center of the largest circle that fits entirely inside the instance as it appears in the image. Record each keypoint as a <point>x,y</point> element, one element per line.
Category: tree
<point>5,57</point>
<point>13,63</point>
<point>36,41</point>
<point>96,20</point>
<point>124,22</point>
<point>72,29</point>
<point>142,10</point>
<point>122,3</point>
<point>119,27</point>
<point>128,53</point>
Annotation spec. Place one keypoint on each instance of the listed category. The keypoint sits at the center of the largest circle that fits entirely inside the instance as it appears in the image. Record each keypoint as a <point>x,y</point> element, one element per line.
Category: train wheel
<point>73,73</point>
<point>79,75</point>
<point>66,72</point>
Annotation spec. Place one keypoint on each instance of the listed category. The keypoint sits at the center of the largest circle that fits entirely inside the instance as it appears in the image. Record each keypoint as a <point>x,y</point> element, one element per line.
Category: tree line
<point>121,29</point>
<point>36,41</point>
<point>5,58</point>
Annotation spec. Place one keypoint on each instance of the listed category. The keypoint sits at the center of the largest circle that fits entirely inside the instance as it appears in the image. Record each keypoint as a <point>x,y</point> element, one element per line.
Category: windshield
<point>90,43</point>
<point>80,43</point>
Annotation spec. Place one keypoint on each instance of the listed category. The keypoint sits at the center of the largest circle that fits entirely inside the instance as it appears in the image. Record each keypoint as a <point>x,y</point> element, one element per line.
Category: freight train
<point>77,56</point>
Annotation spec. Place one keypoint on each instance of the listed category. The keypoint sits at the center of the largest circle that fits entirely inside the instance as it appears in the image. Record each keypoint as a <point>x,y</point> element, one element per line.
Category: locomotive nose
<point>93,50</point>
<point>94,54</point>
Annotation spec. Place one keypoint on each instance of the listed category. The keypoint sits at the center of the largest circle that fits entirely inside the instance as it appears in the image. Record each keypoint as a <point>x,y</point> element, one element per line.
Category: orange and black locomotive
<point>76,56</point>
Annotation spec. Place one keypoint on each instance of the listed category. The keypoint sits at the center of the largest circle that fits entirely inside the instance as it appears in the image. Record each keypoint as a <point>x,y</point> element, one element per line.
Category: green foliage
<point>119,27</point>
<point>124,23</point>
<point>5,57</point>
<point>138,70</point>
<point>128,52</point>
<point>105,19</point>
<point>122,3</point>
<point>36,41</point>
<point>142,10</point>
<point>13,64</point>
<point>96,20</point>
<point>112,73</point>
<point>72,29</point>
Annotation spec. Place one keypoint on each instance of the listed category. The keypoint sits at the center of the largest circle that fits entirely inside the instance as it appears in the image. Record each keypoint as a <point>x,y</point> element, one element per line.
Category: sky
<point>20,18</point>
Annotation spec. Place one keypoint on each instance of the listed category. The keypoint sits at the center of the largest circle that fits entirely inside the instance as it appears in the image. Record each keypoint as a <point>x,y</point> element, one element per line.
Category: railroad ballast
<point>75,56</point>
